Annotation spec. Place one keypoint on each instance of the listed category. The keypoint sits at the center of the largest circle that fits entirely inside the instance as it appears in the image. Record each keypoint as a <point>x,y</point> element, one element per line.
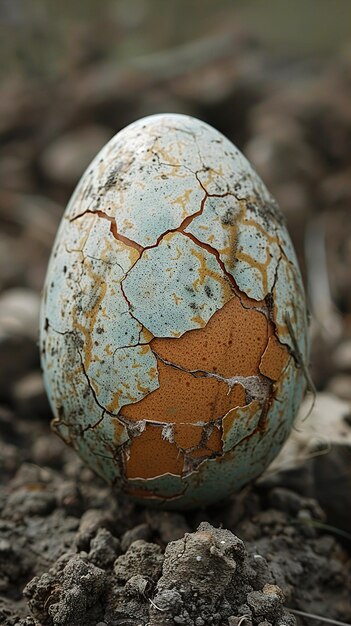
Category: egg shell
<point>173,324</point>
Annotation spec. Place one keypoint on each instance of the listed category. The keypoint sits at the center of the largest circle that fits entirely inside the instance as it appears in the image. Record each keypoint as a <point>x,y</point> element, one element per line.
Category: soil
<point>72,552</point>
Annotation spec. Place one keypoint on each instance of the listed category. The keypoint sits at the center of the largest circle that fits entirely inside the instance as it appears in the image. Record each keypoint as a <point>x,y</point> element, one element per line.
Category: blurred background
<point>273,76</point>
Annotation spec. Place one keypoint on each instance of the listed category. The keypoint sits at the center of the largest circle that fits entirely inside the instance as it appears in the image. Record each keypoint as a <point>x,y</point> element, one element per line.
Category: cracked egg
<point>173,323</point>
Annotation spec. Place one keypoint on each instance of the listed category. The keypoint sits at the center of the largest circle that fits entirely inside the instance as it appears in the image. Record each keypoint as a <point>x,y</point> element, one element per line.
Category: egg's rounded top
<point>160,155</point>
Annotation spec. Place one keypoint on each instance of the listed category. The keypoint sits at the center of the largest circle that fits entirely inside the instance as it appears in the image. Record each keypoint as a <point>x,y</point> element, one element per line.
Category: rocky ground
<point>72,553</point>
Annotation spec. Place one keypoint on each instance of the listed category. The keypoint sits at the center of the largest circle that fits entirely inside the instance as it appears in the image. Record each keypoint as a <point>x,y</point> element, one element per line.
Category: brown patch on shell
<point>182,397</point>
<point>231,343</point>
<point>211,446</point>
<point>187,435</point>
<point>274,359</point>
<point>151,455</point>
<point>195,441</point>
<point>238,340</point>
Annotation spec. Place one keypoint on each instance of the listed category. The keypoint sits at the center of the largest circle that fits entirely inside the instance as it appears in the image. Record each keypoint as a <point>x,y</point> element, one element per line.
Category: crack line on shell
<point>260,424</point>
<point>215,253</point>
<point>190,464</point>
<point>133,345</point>
<point>113,227</point>
<point>269,299</point>
<point>255,385</point>
<point>90,384</point>
<point>115,452</point>
<point>296,356</point>
<point>184,224</point>
<point>181,229</point>
<point>92,426</point>
<point>75,334</point>
<point>134,427</point>
<point>104,410</point>
<point>132,424</point>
